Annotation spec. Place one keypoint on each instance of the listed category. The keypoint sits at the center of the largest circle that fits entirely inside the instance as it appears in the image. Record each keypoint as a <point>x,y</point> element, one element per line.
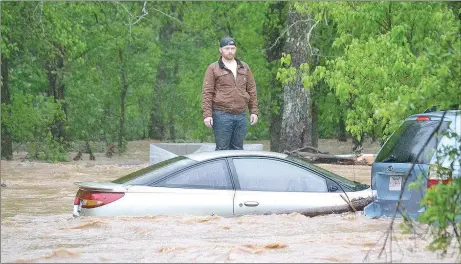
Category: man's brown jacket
<point>221,91</point>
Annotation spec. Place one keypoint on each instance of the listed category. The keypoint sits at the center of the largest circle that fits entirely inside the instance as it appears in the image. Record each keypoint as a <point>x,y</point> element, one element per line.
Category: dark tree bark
<point>315,125</point>
<point>123,91</point>
<point>357,148</point>
<point>274,40</point>
<point>166,75</point>
<point>296,130</point>
<point>56,89</point>
<point>342,135</point>
<point>6,142</point>
<point>173,102</point>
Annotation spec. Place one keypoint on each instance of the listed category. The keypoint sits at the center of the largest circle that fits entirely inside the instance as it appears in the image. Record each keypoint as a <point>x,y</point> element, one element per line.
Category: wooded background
<point>118,71</point>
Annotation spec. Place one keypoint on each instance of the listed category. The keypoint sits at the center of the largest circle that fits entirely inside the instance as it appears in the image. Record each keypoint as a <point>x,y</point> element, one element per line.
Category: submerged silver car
<point>224,183</point>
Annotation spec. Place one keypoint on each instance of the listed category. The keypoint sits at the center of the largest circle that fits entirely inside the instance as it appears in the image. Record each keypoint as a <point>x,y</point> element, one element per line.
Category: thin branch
<point>179,21</point>
<point>382,25</point>
<point>144,13</point>
<point>352,6</point>
<point>125,8</point>
<point>309,37</point>
<point>286,30</point>
<point>41,15</point>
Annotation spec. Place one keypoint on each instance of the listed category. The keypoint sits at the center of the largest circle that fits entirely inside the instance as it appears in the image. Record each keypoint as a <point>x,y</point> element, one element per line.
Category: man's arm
<point>251,89</point>
<point>208,92</point>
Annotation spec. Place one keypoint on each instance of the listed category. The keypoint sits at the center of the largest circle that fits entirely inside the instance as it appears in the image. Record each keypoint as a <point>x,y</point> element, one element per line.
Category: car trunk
<point>96,194</point>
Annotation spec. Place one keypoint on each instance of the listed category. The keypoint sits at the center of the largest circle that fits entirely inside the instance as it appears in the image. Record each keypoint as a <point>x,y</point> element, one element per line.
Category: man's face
<point>228,52</point>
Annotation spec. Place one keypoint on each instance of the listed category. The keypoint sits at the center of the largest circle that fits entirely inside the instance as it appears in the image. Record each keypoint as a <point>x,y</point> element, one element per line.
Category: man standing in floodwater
<point>228,90</point>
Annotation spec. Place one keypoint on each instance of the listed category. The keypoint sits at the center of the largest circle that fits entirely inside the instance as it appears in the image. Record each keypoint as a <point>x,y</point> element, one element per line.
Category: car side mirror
<point>333,188</point>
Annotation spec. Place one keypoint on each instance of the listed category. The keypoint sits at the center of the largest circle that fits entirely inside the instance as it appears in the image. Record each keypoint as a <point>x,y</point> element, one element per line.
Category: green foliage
<point>443,213</point>
<point>329,111</point>
<point>393,63</point>
<point>443,200</point>
<point>377,62</point>
<point>286,72</point>
<point>30,119</point>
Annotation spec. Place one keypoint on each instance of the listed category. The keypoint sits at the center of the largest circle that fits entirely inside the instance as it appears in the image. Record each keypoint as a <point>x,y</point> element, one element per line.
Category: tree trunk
<point>142,116</point>
<point>166,79</point>
<point>123,91</point>
<point>275,20</point>
<point>173,101</point>
<point>357,148</point>
<point>275,127</point>
<point>315,125</point>
<point>342,135</point>
<point>296,130</point>
<point>6,144</point>
<point>157,126</point>
<point>56,89</point>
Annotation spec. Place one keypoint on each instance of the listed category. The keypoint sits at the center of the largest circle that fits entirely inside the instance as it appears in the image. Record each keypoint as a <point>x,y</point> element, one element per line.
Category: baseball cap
<point>226,41</point>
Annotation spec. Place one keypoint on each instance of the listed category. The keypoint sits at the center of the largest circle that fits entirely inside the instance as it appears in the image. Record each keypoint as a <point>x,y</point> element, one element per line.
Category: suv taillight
<point>91,199</point>
<point>438,174</point>
<point>423,118</point>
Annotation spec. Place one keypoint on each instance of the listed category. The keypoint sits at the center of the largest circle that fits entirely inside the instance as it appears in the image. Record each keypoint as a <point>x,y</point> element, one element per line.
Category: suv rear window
<point>405,144</point>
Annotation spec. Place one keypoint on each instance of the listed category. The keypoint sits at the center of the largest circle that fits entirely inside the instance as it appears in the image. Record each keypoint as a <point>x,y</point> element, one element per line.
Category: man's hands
<point>208,121</point>
<point>253,119</point>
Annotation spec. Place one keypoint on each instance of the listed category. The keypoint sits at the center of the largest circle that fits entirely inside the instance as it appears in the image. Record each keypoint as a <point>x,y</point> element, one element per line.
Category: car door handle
<point>251,204</point>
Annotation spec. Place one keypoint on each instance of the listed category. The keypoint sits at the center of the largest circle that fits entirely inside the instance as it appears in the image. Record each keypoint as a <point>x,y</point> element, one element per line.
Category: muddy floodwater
<point>37,225</point>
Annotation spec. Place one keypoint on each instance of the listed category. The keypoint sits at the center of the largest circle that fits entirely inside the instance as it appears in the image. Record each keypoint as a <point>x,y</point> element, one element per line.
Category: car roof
<point>207,155</point>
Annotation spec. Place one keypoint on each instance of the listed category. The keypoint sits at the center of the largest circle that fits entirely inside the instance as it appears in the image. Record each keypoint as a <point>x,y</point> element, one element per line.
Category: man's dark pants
<point>229,129</point>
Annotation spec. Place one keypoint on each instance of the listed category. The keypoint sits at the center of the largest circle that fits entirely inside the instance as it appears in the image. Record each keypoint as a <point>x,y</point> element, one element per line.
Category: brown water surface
<point>37,225</point>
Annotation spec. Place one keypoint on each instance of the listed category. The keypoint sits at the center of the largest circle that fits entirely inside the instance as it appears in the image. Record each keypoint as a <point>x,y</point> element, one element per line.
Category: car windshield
<point>333,176</point>
<point>149,174</point>
<point>405,144</point>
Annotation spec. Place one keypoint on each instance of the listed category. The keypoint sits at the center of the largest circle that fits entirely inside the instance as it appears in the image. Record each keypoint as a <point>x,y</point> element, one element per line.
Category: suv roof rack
<point>434,108</point>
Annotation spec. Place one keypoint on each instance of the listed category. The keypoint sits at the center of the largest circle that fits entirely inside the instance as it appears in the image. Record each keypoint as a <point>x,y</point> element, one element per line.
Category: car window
<point>354,185</point>
<point>405,144</point>
<point>211,175</point>
<point>258,174</point>
<point>157,170</point>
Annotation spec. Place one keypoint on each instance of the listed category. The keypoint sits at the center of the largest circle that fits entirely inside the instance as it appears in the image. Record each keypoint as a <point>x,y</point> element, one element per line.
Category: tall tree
<point>296,130</point>
<point>13,42</point>
<point>123,92</point>
<point>7,142</point>
<point>166,76</point>
<point>273,27</point>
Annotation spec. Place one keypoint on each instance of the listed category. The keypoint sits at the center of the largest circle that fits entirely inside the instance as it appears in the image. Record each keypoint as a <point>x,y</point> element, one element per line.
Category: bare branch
<point>41,15</point>
<point>144,13</point>
<point>131,16</point>
<point>286,30</point>
<point>309,37</point>
<point>125,8</point>
<point>174,18</point>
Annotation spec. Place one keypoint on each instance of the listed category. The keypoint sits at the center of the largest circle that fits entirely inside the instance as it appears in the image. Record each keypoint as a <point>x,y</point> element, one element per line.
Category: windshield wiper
<point>360,186</point>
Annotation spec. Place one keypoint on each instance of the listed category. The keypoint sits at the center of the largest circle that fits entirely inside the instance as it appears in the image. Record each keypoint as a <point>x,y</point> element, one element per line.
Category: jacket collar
<point>222,66</point>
